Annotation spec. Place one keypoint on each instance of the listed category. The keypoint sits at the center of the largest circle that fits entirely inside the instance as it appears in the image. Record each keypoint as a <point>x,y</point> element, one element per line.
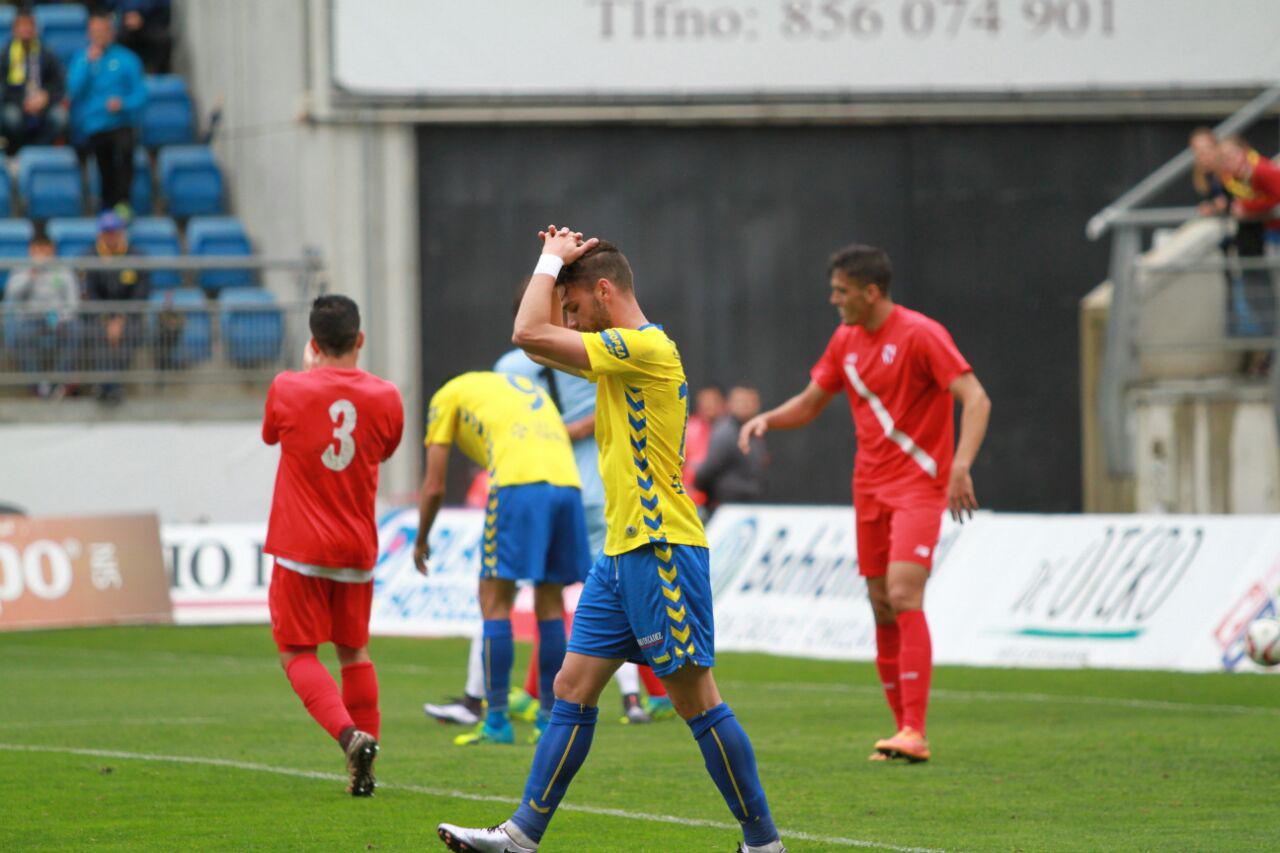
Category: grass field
<point>165,738</point>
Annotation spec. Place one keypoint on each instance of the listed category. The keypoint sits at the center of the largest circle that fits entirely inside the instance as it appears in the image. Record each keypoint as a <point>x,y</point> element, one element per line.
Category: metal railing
<point>179,336</point>
<point>1128,224</point>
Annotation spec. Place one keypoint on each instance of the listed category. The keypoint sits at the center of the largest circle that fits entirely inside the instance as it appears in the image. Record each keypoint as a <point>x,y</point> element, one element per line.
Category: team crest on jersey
<point>889,353</point>
<point>614,344</point>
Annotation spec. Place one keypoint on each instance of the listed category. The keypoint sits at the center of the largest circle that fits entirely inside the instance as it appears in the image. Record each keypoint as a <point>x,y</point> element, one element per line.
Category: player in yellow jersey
<point>648,598</point>
<point>534,527</point>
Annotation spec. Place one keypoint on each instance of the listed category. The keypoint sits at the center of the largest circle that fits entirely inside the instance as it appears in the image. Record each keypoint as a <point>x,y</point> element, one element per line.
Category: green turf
<point>1024,760</point>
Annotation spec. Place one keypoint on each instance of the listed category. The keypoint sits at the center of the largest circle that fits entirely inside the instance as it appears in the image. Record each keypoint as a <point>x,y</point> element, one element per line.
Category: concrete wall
<point>348,190</point>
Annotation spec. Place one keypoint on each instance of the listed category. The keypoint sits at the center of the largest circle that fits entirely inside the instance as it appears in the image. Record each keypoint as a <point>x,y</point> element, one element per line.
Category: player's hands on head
<point>565,243</point>
<point>961,500</point>
<point>754,428</point>
<point>421,554</point>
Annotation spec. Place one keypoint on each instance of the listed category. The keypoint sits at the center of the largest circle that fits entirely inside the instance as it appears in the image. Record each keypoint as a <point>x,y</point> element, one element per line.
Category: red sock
<point>915,668</point>
<point>531,681</point>
<point>887,664</point>
<point>319,692</point>
<point>360,696</point>
<point>652,684</point>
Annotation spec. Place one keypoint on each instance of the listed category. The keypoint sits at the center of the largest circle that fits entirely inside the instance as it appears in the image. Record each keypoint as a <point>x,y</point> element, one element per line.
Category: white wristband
<point>549,265</point>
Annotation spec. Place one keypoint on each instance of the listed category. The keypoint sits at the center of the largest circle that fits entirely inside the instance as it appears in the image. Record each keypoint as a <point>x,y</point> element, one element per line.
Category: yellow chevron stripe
<point>676,615</point>
<point>689,649</point>
<point>491,562</point>
<point>673,595</point>
<point>491,519</point>
<point>491,547</point>
<point>682,636</point>
<point>679,652</point>
<point>669,577</point>
<point>662,659</point>
<point>728,769</point>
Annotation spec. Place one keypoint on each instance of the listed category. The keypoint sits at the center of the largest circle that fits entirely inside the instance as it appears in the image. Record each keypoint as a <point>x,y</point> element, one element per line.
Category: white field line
<point>102,721</point>
<point>140,659</point>
<point>456,795</point>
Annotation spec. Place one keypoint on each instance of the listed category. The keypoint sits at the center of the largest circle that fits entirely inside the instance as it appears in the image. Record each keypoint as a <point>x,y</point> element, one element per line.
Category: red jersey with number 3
<point>335,426</point>
<point>897,379</point>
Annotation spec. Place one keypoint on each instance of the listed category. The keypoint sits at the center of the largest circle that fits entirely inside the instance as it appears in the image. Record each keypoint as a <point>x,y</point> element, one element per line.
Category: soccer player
<point>335,425</point>
<point>902,372</point>
<point>534,526</point>
<point>648,597</point>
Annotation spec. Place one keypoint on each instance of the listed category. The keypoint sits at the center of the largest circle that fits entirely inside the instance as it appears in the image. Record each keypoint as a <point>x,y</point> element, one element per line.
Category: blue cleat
<point>485,734</point>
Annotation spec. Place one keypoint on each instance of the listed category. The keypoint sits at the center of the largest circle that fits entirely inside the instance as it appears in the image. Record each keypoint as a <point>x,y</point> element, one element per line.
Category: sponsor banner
<point>218,573</point>
<point>64,572</point>
<point>1160,592</point>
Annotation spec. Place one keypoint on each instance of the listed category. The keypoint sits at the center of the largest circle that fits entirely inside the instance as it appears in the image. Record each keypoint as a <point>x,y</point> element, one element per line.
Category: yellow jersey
<point>507,424</point>
<point>642,408</point>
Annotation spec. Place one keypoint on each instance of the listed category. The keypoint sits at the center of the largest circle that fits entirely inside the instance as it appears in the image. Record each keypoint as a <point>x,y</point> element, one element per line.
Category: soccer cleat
<point>463,710</point>
<point>633,713</point>
<point>771,847</point>
<point>361,750</point>
<point>660,707</point>
<point>877,756</point>
<point>908,744</point>
<point>494,839</point>
<point>522,706</point>
<point>484,734</point>
<point>539,726</point>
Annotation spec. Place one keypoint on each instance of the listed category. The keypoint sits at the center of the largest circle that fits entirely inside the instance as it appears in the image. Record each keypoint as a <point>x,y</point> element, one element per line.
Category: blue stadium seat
<point>15,240</point>
<point>194,341</point>
<point>140,192</point>
<point>252,326</point>
<point>63,28</point>
<point>7,14</point>
<point>169,116</point>
<point>72,237</point>
<point>158,236</point>
<point>49,181</point>
<point>190,180</point>
<point>6,186</point>
<point>221,236</point>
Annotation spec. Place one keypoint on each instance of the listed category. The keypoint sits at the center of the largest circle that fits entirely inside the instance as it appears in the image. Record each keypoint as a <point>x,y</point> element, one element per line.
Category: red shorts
<point>307,611</point>
<point>899,527</point>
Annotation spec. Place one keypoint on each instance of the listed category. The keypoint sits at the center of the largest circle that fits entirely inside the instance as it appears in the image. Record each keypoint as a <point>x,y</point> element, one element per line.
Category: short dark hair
<point>863,265</point>
<point>40,238</point>
<point>335,324</point>
<point>603,260</point>
<point>1204,130</point>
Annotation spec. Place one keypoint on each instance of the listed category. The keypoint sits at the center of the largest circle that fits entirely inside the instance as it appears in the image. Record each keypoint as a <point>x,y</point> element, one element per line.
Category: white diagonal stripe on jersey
<point>897,436</point>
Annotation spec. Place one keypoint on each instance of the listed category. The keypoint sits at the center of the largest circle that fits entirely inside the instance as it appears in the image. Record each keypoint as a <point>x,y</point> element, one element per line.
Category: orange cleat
<point>908,744</point>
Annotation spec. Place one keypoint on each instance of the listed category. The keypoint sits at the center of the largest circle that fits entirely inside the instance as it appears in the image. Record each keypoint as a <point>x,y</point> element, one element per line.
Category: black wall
<point>728,230</point>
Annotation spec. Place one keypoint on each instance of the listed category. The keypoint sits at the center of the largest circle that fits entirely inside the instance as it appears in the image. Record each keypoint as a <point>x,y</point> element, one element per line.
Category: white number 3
<point>342,413</point>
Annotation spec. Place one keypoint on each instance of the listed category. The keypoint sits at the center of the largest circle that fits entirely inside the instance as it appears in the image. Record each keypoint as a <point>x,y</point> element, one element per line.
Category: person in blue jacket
<point>107,97</point>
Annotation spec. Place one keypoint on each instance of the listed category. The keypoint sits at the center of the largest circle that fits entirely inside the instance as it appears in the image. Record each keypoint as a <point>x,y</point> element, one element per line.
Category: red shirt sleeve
<point>270,429</point>
<point>938,356</point>
<point>1266,177</point>
<point>828,372</point>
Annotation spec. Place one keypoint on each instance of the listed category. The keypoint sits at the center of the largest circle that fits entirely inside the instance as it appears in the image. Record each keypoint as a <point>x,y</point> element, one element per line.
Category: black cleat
<point>361,750</point>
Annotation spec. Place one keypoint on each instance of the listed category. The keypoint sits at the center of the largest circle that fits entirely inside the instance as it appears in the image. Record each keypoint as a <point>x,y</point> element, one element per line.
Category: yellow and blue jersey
<point>642,408</point>
<point>507,424</point>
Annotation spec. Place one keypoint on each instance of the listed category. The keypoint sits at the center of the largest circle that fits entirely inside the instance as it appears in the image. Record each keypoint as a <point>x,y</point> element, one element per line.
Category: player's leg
<point>498,655</point>
<point>467,708</point>
<point>567,561</point>
<point>659,705</point>
<point>349,607</point>
<point>548,609</point>
<point>873,542</point>
<point>360,687</point>
<point>628,678</point>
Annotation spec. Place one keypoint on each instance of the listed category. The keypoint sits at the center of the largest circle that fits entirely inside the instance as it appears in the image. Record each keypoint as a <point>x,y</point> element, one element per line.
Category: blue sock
<point>499,655</point>
<point>732,764</point>
<point>560,753</point>
<point>551,646</point>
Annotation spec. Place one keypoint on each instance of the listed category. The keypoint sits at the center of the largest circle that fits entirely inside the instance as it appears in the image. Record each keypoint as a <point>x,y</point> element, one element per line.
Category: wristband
<point>549,265</point>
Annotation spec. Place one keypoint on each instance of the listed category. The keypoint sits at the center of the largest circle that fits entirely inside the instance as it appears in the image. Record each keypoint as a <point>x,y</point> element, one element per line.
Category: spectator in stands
<point>708,408</point>
<point>113,337</point>
<point>46,296</point>
<point>144,27</point>
<point>1214,198</point>
<point>107,97</point>
<point>34,88</point>
<point>1257,215</point>
<point>726,475</point>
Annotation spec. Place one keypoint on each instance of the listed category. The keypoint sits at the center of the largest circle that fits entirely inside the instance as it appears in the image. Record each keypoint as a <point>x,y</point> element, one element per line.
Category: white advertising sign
<point>759,49</point>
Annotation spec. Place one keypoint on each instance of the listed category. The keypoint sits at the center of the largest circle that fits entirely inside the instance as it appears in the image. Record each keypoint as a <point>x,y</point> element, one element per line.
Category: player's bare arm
<point>793,414</point>
<point>431,501</point>
<point>538,330</point>
<point>582,428</point>
<point>975,412</point>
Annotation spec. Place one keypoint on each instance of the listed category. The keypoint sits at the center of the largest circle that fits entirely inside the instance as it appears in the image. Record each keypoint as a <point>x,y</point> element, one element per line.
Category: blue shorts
<point>650,605</point>
<point>535,532</point>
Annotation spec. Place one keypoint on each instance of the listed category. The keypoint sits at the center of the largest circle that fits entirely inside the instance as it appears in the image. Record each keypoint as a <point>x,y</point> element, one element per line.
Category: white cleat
<point>452,712</point>
<point>495,839</point>
<point>771,847</point>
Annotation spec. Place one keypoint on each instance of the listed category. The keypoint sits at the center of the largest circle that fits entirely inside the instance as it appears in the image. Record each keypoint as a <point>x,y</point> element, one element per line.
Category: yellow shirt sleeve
<point>442,418</point>
<point>629,353</point>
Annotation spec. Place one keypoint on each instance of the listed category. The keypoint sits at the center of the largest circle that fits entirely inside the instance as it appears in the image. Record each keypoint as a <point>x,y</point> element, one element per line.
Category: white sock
<point>475,667</point>
<point>628,676</point>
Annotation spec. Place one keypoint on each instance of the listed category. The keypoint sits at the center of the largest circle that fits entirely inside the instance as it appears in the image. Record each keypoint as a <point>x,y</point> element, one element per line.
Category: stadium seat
<point>49,182</point>
<point>158,236</point>
<point>190,180</point>
<point>72,237</point>
<point>6,189</point>
<point>63,28</point>
<point>7,14</point>
<point>252,326</point>
<point>140,192</point>
<point>219,236</point>
<point>15,239</point>
<point>169,116</point>
<point>190,340</point>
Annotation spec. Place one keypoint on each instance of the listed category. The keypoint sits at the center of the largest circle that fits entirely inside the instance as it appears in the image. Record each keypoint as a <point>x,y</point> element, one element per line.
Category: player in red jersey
<point>902,373</point>
<point>335,425</point>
